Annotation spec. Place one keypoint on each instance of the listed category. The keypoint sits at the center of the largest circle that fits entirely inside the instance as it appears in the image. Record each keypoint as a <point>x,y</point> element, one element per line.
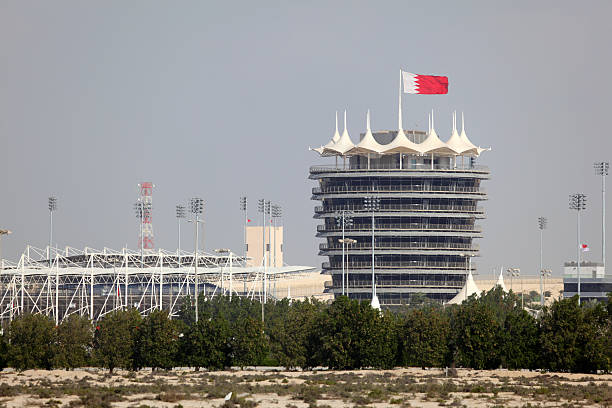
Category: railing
<point>397,189</point>
<point>402,207</point>
<point>396,265</point>
<point>406,227</point>
<point>402,245</point>
<point>404,283</point>
<point>394,166</point>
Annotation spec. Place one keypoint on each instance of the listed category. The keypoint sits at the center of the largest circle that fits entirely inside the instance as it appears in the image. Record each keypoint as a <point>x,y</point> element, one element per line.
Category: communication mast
<point>146,202</point>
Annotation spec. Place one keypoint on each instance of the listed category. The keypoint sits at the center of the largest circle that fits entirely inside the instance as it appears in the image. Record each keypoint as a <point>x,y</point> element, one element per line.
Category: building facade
<point>274,246</point>
<point>594,284</point>
<point>410,205</point>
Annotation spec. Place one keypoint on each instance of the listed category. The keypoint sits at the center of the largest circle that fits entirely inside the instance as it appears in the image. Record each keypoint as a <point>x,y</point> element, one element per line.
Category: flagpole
<point>399,114</point>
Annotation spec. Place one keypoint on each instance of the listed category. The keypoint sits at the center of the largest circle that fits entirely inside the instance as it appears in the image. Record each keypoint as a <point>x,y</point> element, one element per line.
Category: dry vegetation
<point>365,388</point>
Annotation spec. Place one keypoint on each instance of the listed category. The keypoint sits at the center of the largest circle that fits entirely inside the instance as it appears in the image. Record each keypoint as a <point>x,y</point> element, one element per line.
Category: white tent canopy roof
<point>344,144</point>
<point>457,144</point>
<point>500,281</point>
<point>468,290</point>
<point>368,144</point>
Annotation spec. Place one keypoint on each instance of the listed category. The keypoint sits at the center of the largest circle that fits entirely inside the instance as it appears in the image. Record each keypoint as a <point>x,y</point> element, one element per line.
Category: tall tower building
<point>412,205</point>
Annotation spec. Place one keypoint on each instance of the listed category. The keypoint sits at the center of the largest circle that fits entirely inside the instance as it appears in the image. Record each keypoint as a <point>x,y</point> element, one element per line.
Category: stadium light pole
<point>2,232</point>
<point>244,208</point>
<point>544,273</point>
<point>263,206</point>
<point>578,203</point>
<point>344,220</point>
<point>515,272</point>
<point>348,241</point>
<point>601,169</point>
<point>372,203</point>
<point>139,211</point>
<point>180,213</point>
<point>196,206</point>
<point>52,204</point>
<point>542,221</point>
<point>277,212</point>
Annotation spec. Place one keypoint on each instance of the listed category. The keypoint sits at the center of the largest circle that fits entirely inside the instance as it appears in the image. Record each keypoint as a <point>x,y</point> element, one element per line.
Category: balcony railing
<point>396,265</point>
<point>401,245</point>
<point>402,207</point>
<point>403,284</point>
<point>403,227</point>
<point>397,189</point>
<point>395,167</point>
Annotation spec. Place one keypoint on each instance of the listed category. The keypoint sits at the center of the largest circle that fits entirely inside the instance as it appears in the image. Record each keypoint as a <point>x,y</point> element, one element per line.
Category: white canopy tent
<point>468,290</point>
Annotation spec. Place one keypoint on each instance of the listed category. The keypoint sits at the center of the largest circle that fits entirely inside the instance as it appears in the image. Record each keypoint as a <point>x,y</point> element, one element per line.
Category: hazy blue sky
<point>220,99</point>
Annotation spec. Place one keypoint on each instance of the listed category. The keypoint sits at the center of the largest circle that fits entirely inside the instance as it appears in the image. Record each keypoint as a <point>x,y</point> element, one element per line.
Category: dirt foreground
<point>271,388</point>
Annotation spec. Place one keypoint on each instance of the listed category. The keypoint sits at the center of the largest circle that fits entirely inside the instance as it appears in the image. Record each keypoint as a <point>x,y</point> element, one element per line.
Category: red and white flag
<point>424,84</point>
<point>585,248</point>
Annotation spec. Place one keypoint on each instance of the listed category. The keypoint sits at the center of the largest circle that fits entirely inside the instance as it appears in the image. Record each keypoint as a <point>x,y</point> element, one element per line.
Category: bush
<point>31,339</point>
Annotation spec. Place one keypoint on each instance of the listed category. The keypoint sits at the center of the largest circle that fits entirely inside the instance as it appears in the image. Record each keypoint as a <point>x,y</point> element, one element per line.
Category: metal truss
<point>94,283</point>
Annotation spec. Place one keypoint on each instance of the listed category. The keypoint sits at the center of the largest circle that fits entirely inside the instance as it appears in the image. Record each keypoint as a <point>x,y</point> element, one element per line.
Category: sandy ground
<point>273,388</point>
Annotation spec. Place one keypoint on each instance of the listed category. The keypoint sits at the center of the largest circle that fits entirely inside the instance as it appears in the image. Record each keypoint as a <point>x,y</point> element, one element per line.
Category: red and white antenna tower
<point>146,198</point>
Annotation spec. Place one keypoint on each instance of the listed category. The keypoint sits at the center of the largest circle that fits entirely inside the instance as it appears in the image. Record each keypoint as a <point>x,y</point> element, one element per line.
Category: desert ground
<point>273,388</point>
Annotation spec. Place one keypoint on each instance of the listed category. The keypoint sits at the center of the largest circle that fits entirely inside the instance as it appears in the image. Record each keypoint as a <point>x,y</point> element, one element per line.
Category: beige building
<point>274,246</point>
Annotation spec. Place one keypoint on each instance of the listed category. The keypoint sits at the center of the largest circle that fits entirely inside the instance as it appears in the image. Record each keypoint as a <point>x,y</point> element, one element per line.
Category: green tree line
<point>485,332</point>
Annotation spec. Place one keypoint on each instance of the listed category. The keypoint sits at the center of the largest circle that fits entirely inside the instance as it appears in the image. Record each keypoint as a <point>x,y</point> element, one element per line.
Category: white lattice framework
<point>93,283</point>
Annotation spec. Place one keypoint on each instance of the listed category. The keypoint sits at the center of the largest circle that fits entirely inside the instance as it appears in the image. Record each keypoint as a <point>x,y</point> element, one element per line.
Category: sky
<point>223,99</point>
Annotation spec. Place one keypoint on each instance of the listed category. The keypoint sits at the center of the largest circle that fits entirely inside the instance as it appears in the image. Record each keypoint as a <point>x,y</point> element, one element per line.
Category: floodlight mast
<point>180,213</point>
<point>542,221</point>
<point>372,203</point>
<point>263,206</point>
<point>277,212</point>
<point>139,211</point>
<point>578,202</point>
<point>52,204</point>
<point>196,206</point>
<point>2,232</point>
<point>344,220</point>
<point>244,208</point>
<point>601,169</point>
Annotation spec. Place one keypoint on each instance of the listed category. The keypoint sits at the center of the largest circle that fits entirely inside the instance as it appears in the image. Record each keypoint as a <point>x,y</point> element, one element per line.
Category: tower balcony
<point>394,246</point>
<point>415,207</point>
<point>399,188</point>
<point>379,227</point>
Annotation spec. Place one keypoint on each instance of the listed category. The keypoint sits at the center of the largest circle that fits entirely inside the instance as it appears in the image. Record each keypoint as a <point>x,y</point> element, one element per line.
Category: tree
<point>376,338</point>
<point>332,343</point>
<point>560,325</point>
<point>249,344</point>
<point>519,345</point>
<point>157,341</point>
<point>289,332</point>
<point>424,338</point>
<point>73,342</point>
<point>115,339</point>
<point>31,339</point>
<point>3,351</point>
<point>475,332</point>
<point>594,342</point>
<point>208,344</point>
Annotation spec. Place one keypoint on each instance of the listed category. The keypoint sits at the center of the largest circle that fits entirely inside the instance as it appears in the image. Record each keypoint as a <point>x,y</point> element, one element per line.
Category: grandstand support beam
<point>94,283</point>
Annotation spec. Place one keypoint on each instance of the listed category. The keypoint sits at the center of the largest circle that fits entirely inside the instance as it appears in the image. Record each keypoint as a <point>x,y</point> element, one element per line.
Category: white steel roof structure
<point>94,282</point>
<point>468,290</point>
<point>500,281</point>
<point>368,144</point>
<point>456,145</point>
